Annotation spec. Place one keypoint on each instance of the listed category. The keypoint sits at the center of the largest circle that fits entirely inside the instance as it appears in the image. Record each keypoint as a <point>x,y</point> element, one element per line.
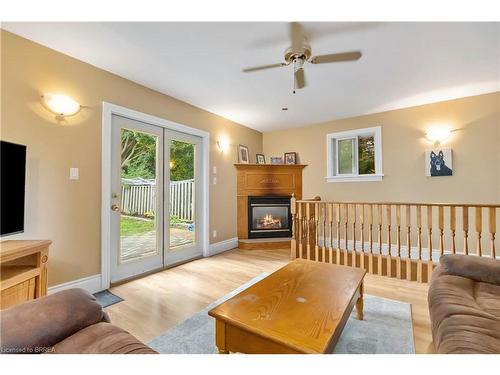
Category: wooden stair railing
<point>394,239</point>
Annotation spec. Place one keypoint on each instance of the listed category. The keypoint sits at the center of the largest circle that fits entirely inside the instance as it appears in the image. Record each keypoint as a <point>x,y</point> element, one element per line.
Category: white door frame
<point>108,110</point>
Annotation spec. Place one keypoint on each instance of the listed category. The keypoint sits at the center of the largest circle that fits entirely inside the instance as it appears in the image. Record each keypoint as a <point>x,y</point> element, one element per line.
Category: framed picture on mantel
<point>243,157</point>
<point>290,158</point>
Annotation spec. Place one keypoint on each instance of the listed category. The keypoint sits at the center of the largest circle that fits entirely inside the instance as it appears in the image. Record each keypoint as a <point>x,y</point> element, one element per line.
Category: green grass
<point>130,226</point>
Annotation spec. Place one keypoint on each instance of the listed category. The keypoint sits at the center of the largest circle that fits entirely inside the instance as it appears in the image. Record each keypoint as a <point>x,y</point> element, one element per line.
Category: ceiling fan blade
<point>297,37</point>
<point>300,78</point>
<point>262,67</point>
<point>336,57</point>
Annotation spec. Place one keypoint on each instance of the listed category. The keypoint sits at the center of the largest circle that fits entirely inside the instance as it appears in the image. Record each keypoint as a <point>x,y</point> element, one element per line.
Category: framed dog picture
<point>290,158</point>
<point>438,162</point>
<point>243,157</point>
<point>276,160</point>
<point>260,158</point>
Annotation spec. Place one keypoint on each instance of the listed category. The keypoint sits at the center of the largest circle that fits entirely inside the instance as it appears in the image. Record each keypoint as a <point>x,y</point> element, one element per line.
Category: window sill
<point>358,178</point>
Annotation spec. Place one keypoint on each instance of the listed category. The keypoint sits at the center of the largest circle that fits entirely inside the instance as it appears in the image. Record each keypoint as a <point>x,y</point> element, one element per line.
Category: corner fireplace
<point>269,217</point>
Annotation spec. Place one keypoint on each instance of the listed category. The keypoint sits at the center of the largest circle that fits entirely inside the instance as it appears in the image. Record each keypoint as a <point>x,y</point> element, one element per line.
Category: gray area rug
<point>386,329</point>
<point>105,298</point>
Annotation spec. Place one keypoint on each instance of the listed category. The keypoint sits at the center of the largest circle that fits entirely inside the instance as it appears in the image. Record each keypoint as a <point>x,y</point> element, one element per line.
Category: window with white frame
<point>354,155</point>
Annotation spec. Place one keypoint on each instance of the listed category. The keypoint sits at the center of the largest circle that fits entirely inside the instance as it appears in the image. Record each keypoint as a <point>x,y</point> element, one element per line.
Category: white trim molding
<point>220,247</point>
<point>108,110</point>
<point>332,174</point>
<point>91,284</point>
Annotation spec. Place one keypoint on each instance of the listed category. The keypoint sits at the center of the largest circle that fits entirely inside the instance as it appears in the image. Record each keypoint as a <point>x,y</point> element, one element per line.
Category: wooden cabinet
<point>23,271</point>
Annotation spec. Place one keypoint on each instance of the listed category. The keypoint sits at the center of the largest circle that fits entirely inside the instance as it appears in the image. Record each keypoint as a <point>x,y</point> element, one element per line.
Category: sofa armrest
<point>486,270</point>
<point>38,325</point>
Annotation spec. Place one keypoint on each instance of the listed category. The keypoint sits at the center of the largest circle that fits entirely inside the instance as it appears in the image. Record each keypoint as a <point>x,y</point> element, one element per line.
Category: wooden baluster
<point>301,231</point>
<point>492,218</point>
<point>323,250</point>
<point>388,214</point>
<point>353,259</point>
<point>408,242</point>
<point>293,245</point>
<point>398,241</point>
<point>370,238</point>
<point>308,221</point>
<point>330,218</point>
<point>316,231</point>
<point>337,258</point>
<point>346,243</point>
<point>441,230</point>
<point>379,239</point>
<point>429,243</point>
<point>453,224</point>
<point>479,229</point>
<point>362,237</point>
<point>465,225</point>
<point>419,243</point>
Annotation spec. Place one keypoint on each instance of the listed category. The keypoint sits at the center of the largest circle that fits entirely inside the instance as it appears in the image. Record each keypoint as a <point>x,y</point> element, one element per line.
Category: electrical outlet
<point>214,234</point>
<point>215,169</point>
<point>74,174</point>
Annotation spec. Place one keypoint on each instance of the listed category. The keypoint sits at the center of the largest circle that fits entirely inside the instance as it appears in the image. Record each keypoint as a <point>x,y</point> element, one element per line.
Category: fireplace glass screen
<point>269,217</point>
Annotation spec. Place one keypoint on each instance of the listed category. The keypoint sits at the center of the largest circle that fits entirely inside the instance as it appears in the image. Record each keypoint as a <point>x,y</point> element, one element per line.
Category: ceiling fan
<point>300,52</point>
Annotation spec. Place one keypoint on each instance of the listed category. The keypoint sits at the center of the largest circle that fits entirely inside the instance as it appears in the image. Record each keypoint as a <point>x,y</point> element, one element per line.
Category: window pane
<point>345,156</point>
<point>366,154</point>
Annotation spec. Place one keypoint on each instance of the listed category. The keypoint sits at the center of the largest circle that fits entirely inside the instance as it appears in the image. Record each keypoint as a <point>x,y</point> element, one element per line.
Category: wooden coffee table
<point>301,308</point>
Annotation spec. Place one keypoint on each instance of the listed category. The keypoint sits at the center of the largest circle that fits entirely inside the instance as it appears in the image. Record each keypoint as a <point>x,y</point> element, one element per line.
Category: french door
<point>156,198</point>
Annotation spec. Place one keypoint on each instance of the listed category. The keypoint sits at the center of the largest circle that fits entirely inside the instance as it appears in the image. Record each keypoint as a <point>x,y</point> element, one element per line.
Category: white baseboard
<point>219,247</point>
<point>91,284</point>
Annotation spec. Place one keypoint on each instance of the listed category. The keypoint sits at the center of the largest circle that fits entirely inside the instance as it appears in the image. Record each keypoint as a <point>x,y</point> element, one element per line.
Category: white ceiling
<point>403,64</point>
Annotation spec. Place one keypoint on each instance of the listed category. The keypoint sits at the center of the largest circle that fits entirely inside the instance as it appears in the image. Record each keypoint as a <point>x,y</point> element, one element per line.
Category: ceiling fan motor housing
<point>304,55</point>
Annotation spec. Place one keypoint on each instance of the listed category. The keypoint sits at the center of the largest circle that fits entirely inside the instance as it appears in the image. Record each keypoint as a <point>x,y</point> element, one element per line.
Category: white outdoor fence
<point>138,197</point>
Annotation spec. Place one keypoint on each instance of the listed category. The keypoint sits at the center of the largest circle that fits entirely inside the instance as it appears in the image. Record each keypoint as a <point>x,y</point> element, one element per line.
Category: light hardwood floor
<point>157,302</point>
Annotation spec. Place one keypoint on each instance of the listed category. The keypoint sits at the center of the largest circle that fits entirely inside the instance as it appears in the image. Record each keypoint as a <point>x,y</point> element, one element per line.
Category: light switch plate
<point>215,180</point>
<point>215,169</point>
<point>74,173</point>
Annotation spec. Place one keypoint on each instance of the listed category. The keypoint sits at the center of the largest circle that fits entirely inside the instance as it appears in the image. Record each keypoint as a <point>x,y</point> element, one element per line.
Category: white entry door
<point>156,197</point>
<point>183,181</point>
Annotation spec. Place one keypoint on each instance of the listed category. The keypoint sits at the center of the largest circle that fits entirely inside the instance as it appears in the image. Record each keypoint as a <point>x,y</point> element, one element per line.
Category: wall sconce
<point>61,105</point>
<point>223,144</point>
<point>438,134</point>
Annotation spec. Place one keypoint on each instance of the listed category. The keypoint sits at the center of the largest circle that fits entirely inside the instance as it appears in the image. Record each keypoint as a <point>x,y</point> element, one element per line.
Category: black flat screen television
<point>12,187</point>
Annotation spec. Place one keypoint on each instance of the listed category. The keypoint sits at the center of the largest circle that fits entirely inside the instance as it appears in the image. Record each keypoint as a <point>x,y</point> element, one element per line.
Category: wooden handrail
<point>394,239</point>
<point>317,198</point>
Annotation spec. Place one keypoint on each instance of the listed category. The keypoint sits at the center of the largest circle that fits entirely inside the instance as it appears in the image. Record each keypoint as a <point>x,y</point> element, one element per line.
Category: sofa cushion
<point>477,268</point>
<point>35,326</point>
<point>465,314</point>
<point>102,338</point>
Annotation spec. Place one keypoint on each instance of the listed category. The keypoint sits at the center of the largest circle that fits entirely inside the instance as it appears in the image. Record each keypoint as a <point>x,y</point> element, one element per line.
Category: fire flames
<point>269,221</point>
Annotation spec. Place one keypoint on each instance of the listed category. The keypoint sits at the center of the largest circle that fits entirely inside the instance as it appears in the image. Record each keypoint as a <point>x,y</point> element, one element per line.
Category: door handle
<point>115,207</point>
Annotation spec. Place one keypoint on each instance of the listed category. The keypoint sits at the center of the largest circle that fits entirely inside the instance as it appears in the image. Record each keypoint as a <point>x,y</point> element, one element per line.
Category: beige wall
<point>476,153</point>
<point>68,212</point>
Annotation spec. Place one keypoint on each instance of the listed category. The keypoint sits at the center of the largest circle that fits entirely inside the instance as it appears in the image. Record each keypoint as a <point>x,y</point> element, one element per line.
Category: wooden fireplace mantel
<point>264,179</point>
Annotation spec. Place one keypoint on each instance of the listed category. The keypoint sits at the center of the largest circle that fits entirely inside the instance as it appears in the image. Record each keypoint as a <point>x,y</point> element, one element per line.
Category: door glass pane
<point>182,194</point>
<point>138,224</point>
<point>345,156</point>
<point>366,154</point>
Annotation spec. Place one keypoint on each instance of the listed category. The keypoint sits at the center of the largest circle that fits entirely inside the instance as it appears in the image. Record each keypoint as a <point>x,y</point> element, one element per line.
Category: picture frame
<point>439,162</point>
<point>276,160</point>
<point>290,158</point>
<point>243,155</point>
<point>260,159</point>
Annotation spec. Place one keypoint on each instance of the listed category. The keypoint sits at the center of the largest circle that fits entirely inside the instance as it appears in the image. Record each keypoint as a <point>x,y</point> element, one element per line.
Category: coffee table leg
<point>220,337</point>
<point>359,302</point>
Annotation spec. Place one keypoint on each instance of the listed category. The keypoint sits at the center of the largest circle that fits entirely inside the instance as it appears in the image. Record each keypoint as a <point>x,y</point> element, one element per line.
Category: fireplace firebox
<point>269,217</point>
